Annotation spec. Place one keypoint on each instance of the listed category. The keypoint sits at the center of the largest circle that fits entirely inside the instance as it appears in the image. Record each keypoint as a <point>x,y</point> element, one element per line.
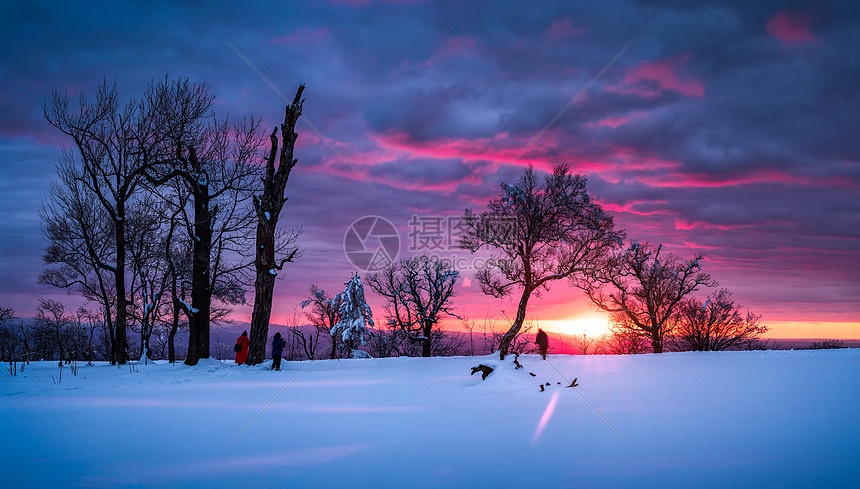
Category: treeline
<point>78,335</point>
<point>164,213</point>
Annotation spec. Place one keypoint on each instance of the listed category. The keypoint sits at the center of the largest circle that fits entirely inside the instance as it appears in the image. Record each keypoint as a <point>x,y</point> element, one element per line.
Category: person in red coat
<point>242,345</point>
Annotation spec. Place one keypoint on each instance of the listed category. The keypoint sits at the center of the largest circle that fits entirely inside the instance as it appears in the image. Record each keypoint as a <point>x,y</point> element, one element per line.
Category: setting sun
<point>593,325</point>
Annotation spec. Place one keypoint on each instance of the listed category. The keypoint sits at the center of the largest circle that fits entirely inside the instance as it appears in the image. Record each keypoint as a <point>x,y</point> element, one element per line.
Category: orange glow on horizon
<point>596,324</point>
<point>591,325</point>
<point>837,330</point>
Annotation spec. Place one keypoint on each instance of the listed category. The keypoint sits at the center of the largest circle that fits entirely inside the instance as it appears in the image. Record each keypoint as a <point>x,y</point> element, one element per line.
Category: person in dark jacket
<point>278,344</point>
<point>242,344</point>
<point>542,343</point>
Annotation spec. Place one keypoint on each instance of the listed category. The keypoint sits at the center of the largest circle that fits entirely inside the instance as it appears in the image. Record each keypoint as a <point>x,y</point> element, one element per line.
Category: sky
<point>728,127</point>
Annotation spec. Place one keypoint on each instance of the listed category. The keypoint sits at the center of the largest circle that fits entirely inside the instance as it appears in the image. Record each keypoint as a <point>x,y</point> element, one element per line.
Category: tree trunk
<point>656,343</point>
<point>111,338</point>
<point>145,334</point>
<point>171,336</point>
<point>333,354</point>
<point>120,353</point>
<point>201,296</point>
<point>656,330</point>
<point>426,343</point>
<point>509,336</point>
<point>59,342</point>
<point>26,352</point>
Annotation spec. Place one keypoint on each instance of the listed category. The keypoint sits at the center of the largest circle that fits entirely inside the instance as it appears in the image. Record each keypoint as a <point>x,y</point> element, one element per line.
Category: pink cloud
<point>564,28</point>
<point>630,208</point>
<point>553,147</point>
<point>790,28</point>
<point>303,34</point>
<point>621,120</point>
<point>651,78</point>
<point>696,246</point>
<point>452,47</point>
<point>488,149</point>
<point>764,176</point>
<point>684,225</point>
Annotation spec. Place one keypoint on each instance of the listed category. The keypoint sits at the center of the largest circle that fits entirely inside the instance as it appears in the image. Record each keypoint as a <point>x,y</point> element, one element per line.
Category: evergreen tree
<point>355,316</point>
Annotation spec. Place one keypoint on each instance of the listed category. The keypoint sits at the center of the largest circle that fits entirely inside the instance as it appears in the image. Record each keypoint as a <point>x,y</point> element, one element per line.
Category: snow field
<point>727,419</point>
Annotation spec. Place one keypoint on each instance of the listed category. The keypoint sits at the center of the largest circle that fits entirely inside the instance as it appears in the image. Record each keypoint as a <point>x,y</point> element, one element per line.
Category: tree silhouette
<point>544,231</point>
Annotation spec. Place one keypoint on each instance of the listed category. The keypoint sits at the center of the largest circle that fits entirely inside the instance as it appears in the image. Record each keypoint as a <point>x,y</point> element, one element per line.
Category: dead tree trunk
<point>267,207</point>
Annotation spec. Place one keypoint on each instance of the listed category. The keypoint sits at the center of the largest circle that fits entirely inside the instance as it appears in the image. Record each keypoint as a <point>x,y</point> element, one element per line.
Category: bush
<point>826,345</point>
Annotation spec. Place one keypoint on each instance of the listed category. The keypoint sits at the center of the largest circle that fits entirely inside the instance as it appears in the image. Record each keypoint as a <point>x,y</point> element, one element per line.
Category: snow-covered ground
<point>699,420</point>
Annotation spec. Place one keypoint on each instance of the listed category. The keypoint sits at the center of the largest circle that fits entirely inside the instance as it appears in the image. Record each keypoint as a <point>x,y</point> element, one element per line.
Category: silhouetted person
<point>542,343</point>
<point>278,344</point>
<point>241,348</point>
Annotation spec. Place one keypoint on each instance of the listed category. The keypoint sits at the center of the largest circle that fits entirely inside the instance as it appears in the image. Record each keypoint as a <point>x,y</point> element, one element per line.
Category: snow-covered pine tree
<point>355,316</point>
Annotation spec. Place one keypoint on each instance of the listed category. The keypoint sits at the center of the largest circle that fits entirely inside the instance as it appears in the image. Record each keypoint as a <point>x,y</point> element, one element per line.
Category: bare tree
<point>292,349</point>
<point>545,231</point>
<point>9,341</point>
<point>324,314</point>
<point>447,343</point>
<point>213,161</point>
<point>469,325</point>
<point>624,337</point>
<point>826,345</point>
<point>520,343</point>
<point>762,344</point>
<point>386,342</point>
<point>88,323</point>
<point>25,336</point>
<point>53,323</point>
<point>7,314</point>
<point>584,344</point>
<point>81,245</point>
<point>151,272</point>
<point>77,340</point>
<point>715,325</point>
<point>178,260</point>
<point>110,141</point>
<point>270,241</point>
<point>308,340</point>
<point>644,287</point>
<point>164,334</point>
<point>418,291</point>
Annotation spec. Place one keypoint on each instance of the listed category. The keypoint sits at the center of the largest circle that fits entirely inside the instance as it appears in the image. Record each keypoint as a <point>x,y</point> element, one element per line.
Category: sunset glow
<point>596,325</point>
<point>693,137</point>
